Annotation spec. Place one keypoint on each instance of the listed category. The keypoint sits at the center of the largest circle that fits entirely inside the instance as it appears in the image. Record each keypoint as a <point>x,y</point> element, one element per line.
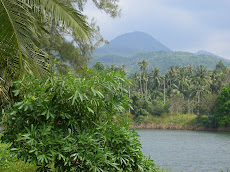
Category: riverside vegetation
<point>182,98</point>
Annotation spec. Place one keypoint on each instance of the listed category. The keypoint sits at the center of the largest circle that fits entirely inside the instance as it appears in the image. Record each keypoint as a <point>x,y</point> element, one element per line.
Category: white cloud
<point>218,43</point>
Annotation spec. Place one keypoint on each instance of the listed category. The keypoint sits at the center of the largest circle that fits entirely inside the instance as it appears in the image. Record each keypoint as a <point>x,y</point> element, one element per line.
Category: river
<point>188,151</point>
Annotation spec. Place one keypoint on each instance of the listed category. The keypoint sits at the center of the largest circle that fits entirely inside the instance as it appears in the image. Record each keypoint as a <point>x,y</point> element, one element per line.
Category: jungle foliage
<point>75,123</point>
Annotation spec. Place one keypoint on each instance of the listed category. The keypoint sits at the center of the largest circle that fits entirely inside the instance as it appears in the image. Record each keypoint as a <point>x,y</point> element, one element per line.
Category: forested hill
<point>161,59</point>
<point>130,48</point>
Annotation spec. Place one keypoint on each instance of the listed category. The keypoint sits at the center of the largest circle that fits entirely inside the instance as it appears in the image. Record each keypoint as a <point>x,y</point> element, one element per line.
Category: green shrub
<point>222,112</point>
<point>74,123</point>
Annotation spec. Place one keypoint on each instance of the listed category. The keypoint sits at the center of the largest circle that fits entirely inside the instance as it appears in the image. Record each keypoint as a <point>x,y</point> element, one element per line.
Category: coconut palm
<point>171,75</point>
<point>143,71</point>
<point>156,77</point>
<point>19,31</point>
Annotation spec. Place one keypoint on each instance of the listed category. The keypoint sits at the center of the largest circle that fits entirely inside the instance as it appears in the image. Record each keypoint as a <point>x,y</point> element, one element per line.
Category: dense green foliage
<point>222,112</point>
<point>76,123</point>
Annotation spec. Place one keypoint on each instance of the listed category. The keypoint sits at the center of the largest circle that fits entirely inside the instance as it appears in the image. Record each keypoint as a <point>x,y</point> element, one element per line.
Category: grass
<point>177,119</point>
<point>172,121</point>
<point>12,164</point>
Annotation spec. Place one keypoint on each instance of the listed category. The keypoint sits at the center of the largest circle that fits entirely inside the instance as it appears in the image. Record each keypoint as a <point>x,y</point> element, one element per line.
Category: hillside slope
<point>161,59</point>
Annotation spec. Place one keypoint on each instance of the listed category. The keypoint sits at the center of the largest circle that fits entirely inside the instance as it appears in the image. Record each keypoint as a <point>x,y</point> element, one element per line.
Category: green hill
<point>129,49</point>
<point>161,59</point>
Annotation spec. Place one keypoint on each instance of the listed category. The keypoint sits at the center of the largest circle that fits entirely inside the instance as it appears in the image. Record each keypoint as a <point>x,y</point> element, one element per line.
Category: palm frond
<point>4,97</point>
<point>63,14</point>
<point>17,49</point>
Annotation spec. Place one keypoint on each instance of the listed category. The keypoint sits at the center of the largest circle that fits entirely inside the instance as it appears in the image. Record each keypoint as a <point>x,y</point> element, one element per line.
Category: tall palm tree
<point>143,71</point>
<point>202,83</point>
<point>171,75</point>
<point>216,80</point>
<point>190,69</point>
<point>156,76</point>
<point>146,83</point>
<point>19,31</point>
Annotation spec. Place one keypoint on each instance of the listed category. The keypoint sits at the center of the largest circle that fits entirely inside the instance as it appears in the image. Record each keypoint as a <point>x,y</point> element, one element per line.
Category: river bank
<point>177,127</point>
<point>177,122</point>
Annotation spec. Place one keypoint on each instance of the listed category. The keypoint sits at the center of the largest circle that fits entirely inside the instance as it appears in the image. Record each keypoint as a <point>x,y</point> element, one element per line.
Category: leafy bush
<point>74,123</point>
<point>222,112</point>
<point>207,104</point>
<point>144,107</point>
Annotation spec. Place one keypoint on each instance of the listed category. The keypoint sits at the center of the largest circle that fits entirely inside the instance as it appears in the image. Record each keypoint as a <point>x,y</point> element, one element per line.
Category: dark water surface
<point>188,151</point>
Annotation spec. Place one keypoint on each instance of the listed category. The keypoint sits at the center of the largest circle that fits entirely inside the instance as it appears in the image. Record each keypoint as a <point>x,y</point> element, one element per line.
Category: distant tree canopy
<point>99,66</point>
<point>221,66</point>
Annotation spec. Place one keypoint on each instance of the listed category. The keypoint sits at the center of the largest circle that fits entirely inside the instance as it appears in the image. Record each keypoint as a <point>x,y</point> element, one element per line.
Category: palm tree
<point>19,30</point>
<point>190,69</point>
<point>201,82</point>
<point>216,80</point>
<point>171,74</point>
<point>156,75</point>
<point>146,83</point>
<point>143,71</point>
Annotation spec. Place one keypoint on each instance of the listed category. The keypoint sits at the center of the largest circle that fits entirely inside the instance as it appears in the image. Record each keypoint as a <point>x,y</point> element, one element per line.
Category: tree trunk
<point>198,102</point>
<point>141,87</point>
<point>189,110</point>
<point>164,91</point>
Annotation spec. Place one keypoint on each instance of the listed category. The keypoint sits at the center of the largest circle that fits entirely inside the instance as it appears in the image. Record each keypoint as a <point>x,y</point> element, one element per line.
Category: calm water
<point>187,150</point>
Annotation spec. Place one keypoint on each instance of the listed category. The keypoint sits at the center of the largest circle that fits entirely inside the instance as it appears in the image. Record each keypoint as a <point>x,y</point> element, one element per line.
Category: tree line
<point>185,90</point>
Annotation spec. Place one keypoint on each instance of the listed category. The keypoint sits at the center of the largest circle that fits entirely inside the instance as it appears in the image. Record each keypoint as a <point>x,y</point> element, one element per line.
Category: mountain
<point>200,52</point>
<point>131,43</point>
<point>130,48</point>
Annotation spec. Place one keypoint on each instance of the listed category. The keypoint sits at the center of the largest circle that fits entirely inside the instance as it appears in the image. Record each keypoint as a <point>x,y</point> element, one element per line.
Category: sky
<point>181,25</point>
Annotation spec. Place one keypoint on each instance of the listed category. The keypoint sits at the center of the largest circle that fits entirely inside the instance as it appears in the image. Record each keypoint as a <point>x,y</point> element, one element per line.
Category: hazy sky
<point>182,25</point>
